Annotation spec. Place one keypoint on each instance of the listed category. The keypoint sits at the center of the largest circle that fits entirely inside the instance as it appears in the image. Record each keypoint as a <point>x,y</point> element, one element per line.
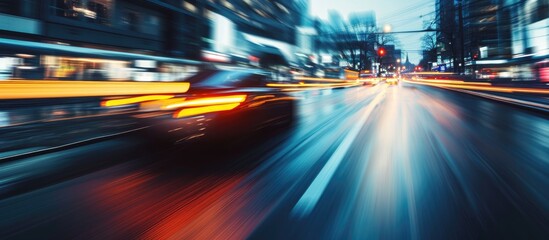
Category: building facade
<point>447,39</point>
<point>179,29</point>
<point>253,29</point>
<point>501,38</point>
<point>156,27</point>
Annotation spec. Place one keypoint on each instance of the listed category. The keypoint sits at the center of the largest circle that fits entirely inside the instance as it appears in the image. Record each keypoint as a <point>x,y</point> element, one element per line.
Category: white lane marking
<point>310,198</point>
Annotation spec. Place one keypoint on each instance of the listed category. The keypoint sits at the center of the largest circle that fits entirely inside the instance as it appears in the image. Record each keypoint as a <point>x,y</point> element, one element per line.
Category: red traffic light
<point>381,52</point>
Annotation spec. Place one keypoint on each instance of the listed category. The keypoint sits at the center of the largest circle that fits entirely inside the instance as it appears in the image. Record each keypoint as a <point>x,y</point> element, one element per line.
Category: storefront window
<point>151,25</point>
<point>130,20</point>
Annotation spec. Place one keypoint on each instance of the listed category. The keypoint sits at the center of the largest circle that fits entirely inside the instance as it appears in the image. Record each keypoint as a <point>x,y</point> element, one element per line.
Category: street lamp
<point>387,28</point>
<point>461,36</point>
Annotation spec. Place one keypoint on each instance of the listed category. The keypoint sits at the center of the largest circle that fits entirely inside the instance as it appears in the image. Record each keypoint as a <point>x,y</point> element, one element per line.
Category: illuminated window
<point>282,7</point>
<point>228,4</point>
<point>130,20</point>
<point>96,11</point>
<point>189,7</point>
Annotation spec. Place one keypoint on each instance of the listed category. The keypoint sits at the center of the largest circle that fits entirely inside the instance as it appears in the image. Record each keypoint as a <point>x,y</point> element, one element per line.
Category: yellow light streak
<point>33,89</point>
<point>453,82</point>
<point>305,85</point>
<point>207,101</point>
<point>321,79</point>
<point>159,104</point>
<point>132,100</point>
<point>187,112</point>
<point>485,88</point>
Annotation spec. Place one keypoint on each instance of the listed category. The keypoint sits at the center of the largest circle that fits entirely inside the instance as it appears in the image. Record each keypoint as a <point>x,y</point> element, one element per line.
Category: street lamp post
<point>461,36</point>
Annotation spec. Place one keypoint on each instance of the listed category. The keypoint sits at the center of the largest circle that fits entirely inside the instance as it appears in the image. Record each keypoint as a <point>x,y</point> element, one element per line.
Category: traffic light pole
<point>379,66</point>
<point>380,53</point>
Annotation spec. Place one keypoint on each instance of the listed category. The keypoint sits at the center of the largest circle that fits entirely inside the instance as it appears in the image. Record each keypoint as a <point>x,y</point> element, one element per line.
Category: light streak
<point>310,198</point>
<point>483,88</point>
<point>33,89</point>
<point>454,82</point>
<point>207,101</point>
<point>187,112</point>
<point>133,100</point>
<point>306,85</point>
<point>322,79</point>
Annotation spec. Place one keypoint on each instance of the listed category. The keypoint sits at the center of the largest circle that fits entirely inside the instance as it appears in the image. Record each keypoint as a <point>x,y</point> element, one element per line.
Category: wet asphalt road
<point>383,162</point>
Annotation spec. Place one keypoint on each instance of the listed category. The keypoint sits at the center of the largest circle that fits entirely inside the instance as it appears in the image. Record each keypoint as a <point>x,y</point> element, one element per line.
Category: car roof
<point>222,78</point>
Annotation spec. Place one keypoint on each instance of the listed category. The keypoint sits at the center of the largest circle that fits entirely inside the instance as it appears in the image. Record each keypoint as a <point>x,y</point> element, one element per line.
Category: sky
<point>402,15</point>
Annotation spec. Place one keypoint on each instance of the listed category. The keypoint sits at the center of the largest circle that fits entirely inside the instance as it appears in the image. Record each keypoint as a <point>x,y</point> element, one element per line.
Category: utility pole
<point>462,43</point>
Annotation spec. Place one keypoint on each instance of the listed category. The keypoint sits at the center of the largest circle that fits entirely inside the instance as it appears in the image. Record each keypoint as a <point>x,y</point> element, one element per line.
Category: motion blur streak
<point>31,89</point>
<point>207,217</point>
<point>486,88</point>
<point>259,103</point>
<point>427,163</point>
<point>187,112</point>
<point>433,73</point>
<point>453,82</point>
<point>320,79</point>
<point>160,104</point>
<point>198,210</point>
<point>207,101</point>
<point>263,97</point>
<point>306,85</point>
<point>308,201</point>
<point>126,101</point>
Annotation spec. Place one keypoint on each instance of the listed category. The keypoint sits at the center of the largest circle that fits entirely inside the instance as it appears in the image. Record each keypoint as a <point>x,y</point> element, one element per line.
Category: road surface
<point>382,162</point>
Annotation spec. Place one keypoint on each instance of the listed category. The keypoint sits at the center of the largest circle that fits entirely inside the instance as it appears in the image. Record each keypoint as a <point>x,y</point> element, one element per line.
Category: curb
<point>538,107</point>
<point>66,146</point>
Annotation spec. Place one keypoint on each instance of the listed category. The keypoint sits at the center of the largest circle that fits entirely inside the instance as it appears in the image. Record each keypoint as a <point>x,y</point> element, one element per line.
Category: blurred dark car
<point>220,104</point>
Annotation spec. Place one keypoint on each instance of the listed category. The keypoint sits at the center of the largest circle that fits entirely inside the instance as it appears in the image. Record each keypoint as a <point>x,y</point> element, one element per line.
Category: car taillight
<point>197,102</point>
<point>187,112</point>
<point>199,106</point>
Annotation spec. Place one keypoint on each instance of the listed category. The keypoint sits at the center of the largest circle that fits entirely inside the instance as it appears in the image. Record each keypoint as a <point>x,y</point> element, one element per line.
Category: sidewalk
<point>530,96</point>
<point>540,104</point>
<point>503,82</point>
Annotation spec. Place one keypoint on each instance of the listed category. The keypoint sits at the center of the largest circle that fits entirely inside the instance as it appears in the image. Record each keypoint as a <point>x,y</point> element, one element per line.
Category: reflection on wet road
<point>383,162</point>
